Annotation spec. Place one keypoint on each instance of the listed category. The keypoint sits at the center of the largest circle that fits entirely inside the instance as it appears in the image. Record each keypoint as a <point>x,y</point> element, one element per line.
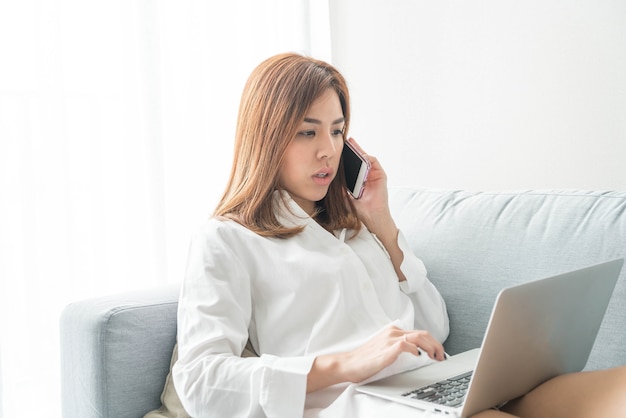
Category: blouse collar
<point>290,214</point>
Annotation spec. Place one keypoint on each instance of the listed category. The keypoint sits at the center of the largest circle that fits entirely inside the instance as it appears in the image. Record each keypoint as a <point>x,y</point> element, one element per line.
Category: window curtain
<point>116,132</point>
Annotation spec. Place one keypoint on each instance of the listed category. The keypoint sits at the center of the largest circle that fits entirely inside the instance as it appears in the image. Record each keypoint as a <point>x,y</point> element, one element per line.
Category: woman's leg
<point>599,393</point>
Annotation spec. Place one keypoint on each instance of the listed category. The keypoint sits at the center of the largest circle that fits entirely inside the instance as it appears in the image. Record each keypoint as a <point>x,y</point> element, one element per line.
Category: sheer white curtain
<point>116,126</point>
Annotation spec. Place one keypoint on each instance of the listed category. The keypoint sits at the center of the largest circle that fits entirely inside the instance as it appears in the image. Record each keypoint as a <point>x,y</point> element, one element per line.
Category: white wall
<point>488,94</point>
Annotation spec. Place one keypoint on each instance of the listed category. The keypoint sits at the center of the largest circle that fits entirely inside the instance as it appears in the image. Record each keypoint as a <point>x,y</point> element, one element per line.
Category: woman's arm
<point>373,210</point>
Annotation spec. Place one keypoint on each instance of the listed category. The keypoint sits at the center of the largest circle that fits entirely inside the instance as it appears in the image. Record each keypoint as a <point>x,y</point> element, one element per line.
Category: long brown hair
<point>274,103</point>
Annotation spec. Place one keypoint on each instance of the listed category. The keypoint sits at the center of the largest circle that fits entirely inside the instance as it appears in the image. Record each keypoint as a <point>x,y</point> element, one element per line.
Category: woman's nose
<point>328,147</point>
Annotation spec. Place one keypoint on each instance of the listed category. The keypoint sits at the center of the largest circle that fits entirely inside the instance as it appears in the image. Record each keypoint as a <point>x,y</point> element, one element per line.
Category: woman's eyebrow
<point>319,122</point>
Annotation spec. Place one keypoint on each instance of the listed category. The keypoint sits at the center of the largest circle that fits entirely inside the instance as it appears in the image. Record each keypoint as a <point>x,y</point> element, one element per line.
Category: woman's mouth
<point>323,177</point>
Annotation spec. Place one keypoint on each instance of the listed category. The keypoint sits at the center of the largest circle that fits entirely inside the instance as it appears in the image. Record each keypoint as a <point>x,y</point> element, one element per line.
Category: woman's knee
<point>583,394</point>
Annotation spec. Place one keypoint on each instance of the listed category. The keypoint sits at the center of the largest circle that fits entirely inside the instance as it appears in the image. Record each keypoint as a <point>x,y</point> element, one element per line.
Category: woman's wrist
<point>387,232</point>
<point>381,224</point>
<point>327,370</point>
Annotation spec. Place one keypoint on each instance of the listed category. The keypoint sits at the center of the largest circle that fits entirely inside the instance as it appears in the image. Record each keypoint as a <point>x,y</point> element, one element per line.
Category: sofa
<point>116,350</point>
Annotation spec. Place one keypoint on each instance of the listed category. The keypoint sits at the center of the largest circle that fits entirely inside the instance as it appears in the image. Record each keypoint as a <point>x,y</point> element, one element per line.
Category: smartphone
<point>356,167</point>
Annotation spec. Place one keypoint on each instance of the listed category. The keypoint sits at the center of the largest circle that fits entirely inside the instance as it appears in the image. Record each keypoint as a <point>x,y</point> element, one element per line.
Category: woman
<point>324,287</point>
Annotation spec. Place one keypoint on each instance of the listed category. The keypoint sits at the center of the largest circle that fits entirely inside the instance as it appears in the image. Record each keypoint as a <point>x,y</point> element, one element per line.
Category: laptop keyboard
<point>449,392</point>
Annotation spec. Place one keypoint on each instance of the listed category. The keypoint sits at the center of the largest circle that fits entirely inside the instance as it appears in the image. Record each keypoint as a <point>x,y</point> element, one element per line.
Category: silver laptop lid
<point>539,330</point>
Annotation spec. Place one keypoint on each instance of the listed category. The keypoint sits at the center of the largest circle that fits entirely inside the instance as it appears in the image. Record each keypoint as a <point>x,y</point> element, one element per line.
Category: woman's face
<point>312,157</point>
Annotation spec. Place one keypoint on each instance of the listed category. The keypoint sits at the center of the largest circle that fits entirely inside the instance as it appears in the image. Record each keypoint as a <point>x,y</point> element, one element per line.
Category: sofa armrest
<point>115,353</point>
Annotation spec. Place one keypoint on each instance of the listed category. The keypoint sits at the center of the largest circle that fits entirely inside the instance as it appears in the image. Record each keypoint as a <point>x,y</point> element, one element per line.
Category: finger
<point>439,353</point>
<point>428,344</point>
<point>353,142</point>
<point>408,344</point>
<point>432,347</point>
<point>436,351</point>
<point>370,158</point>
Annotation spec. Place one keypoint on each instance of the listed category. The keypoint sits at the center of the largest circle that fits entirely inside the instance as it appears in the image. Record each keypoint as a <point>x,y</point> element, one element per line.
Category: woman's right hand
<point>372,357</point>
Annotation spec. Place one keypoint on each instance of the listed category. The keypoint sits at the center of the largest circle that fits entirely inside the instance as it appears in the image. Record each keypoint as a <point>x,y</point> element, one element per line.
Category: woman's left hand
<point>373,206</point>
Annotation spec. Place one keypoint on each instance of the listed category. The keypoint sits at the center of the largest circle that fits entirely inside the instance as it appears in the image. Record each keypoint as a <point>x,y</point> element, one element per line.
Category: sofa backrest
<point>474,244</point>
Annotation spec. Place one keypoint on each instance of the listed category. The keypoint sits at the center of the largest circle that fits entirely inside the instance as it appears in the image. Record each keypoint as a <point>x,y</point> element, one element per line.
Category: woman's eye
<point>338,132</point>
<point>308,134</point>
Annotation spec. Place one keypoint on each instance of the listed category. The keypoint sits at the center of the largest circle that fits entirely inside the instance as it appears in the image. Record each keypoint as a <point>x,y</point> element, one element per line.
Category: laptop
<point>537,330</point>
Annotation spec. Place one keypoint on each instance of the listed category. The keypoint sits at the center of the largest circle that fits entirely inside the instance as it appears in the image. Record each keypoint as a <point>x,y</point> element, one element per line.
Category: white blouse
<point>294,298</point>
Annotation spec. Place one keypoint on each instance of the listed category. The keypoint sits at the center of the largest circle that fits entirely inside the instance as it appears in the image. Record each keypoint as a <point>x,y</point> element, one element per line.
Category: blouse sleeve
<point>430,308</point>
<point>210,377</point>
